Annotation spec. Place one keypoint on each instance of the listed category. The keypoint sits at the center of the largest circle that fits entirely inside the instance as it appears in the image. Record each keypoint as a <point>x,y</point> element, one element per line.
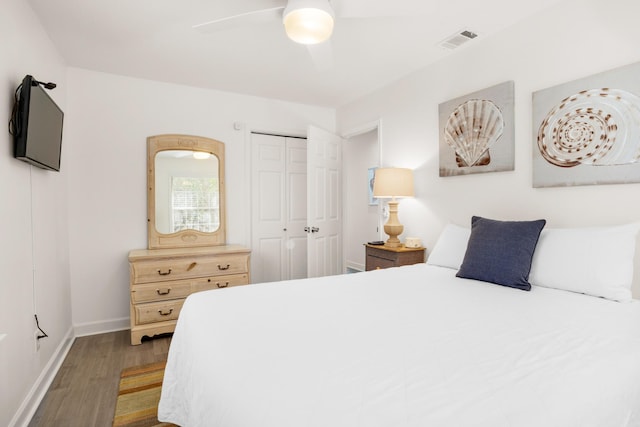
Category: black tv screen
<point>37,127</point>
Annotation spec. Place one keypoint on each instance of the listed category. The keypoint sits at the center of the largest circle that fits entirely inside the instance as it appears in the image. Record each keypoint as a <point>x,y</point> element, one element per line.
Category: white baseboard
<point>354,266</point>
<point>36,394</point>
<point>94,328</point>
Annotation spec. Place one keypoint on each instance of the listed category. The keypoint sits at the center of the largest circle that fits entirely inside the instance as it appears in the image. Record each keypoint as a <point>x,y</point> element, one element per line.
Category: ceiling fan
<point>305,21</point>
<point>309,22</point>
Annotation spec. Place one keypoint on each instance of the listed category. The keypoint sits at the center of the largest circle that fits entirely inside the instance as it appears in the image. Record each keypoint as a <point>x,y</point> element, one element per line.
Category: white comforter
<point>409,346</point>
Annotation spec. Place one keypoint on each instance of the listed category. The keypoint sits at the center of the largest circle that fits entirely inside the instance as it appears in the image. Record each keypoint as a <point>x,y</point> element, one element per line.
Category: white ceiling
<point>374,42</point>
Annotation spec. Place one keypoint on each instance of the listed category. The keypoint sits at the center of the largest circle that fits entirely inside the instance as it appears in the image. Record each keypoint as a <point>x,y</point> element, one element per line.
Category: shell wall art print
<point>588,131</point>
<point>476,132</point>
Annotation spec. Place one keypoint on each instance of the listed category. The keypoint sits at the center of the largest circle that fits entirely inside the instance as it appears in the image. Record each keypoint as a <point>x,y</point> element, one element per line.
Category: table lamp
<point>392,183</point>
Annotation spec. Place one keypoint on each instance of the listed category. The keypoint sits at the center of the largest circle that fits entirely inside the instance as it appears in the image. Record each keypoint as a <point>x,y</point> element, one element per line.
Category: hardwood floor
<point>84,391</point>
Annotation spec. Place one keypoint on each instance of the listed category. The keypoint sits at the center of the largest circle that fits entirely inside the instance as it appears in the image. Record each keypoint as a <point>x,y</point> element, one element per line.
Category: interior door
<point>324,203</point>
<point>296,192</point>
<point>279,208</point>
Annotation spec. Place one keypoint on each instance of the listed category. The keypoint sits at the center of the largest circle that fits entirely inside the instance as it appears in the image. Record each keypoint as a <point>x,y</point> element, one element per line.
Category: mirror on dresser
<point>187,251</point>
<point>186,194</point>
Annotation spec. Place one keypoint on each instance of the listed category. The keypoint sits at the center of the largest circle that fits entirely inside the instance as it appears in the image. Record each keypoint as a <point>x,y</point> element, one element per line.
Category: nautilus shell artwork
<point>592,127</point>
<point>471,129</point>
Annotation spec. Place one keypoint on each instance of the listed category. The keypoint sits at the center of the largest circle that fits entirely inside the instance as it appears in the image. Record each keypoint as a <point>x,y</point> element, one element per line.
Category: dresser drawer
<point>374,263</point>
<point>161,291</point>
<point>184,268</point>
<point>158,312</point>
<point>219,282</point>
<point>169,290</point>
<point>382,253</point>
<point>385,257</point>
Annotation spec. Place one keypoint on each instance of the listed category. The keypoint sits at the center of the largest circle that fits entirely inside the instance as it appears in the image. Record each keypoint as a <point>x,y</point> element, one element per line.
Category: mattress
<point>407,346</point>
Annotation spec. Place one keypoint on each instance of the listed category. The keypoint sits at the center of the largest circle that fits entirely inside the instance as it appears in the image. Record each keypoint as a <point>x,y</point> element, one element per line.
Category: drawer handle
<point>220,285</point>
<point>223,268</point>
<point>162,313</point>
<point>163,292</point>
<point>168,272</point>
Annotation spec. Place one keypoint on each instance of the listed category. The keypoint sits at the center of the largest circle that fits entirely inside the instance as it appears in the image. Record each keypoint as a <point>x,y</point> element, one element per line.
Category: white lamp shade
<point>393,182</point>
<point>308,21</point>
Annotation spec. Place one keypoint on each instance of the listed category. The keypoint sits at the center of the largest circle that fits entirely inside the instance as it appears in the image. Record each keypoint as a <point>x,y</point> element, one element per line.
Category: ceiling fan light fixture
<point>308,21</point>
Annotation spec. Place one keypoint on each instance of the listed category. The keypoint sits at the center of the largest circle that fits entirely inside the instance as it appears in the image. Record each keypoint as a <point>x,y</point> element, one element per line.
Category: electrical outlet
<point>35,337</point>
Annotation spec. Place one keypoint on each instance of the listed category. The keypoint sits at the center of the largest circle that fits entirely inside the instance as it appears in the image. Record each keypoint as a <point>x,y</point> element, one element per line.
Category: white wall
<point>34,260</point>
<point>573,40</point>
<point>112,117</point>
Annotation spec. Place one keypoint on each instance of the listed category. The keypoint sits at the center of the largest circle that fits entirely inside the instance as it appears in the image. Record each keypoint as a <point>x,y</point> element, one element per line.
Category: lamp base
<point>393,228</point>
<point>393,231</point>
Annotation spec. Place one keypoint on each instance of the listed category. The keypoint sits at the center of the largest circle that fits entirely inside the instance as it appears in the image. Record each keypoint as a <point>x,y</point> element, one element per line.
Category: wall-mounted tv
<point>36,125</point>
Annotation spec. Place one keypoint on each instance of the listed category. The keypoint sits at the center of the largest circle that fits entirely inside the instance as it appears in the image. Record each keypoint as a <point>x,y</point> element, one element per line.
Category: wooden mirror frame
<point>184,238</point>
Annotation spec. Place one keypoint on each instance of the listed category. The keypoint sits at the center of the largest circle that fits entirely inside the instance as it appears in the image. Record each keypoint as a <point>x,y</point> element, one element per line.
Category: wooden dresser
<point>379,256</point>
<point>161,279</point>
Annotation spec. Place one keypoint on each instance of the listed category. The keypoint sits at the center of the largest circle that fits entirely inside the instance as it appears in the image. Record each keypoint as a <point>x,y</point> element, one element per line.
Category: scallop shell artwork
<point>471,129</point>
<point>592,127</point>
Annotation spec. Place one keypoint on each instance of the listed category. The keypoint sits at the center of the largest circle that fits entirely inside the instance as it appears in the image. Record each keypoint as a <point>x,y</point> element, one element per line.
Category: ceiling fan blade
<point>242,19</point>
<point>321,55</point>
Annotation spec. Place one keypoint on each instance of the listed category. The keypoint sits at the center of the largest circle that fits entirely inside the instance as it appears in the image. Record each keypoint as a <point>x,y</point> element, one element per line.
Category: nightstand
<point>384,257</point>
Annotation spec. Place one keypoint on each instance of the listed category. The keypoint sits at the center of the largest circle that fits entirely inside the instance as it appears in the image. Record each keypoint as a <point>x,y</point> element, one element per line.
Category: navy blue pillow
<point>501,251</point>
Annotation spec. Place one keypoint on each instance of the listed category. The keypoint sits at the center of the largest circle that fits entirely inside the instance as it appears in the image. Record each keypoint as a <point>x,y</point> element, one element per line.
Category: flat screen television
<point>37,125</point>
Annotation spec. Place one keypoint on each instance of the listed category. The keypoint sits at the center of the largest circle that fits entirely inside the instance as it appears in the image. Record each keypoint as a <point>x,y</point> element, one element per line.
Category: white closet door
<point>279,197</point>
<point>296,192</point>
<point>324,162</point>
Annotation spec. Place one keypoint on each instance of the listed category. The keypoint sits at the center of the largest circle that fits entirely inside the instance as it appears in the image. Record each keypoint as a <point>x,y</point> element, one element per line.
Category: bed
<point>418,345</point>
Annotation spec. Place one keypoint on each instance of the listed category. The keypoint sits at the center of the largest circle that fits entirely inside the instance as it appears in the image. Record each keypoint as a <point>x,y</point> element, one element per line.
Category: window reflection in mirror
<point>187,191</point>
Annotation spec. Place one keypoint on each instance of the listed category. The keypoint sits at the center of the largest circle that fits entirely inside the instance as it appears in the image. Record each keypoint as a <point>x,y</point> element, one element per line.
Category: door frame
<point>346,136</point>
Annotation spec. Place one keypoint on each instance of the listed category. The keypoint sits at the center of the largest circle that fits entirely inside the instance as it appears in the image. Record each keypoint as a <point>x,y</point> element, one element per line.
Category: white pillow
<point>592,261</point>
<point>450,248</point>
